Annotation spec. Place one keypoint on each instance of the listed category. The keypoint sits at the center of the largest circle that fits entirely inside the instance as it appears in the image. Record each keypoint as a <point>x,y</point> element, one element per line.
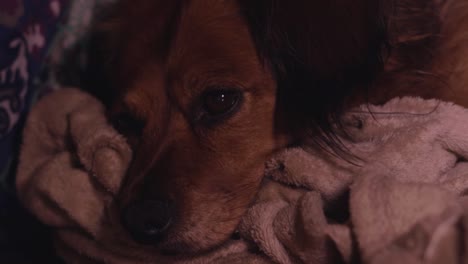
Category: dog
<point>206,91</point>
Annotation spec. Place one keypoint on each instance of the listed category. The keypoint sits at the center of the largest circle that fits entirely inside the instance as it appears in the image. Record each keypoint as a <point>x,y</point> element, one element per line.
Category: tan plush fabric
<point>405,199</point>
<point>402,203</point>
<point>68,152</point>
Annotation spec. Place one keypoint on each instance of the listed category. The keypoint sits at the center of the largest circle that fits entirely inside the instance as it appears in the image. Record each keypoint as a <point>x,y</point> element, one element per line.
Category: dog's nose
<point>147,220</point>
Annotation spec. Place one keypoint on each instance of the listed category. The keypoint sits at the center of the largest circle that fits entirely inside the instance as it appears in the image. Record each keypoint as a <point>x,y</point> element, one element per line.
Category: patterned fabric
<point>26,29</point>
<point>41,46</point>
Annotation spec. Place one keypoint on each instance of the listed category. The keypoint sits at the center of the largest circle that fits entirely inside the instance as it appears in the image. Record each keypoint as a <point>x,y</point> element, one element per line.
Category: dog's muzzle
<point>148,220</point>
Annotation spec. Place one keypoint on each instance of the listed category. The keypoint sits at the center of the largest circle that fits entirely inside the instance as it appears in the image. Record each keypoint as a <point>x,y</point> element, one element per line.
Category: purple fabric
<point>26,30</point>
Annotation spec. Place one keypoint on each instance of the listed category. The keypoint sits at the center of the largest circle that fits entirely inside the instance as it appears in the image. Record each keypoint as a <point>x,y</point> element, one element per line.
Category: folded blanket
<point>404,201</point>
<point>399,198</point>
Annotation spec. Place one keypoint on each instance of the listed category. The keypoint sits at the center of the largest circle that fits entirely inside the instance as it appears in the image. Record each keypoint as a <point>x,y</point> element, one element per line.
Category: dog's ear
<point>321,52</point>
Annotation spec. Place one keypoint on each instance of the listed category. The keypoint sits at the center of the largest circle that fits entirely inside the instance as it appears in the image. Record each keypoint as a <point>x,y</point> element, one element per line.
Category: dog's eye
<point>126,124</point>
<point>220,102</point>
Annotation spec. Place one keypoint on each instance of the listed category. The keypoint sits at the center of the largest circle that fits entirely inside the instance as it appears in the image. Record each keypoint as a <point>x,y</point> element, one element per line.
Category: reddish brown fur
<point>211,173</point>
<point>171,51</point>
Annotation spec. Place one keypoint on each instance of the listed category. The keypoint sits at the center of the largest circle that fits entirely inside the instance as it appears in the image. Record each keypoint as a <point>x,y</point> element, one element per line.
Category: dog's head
<point>207,90</point>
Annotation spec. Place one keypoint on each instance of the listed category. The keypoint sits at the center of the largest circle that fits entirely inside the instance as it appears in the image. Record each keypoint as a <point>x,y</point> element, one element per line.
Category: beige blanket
<point>401,200</point>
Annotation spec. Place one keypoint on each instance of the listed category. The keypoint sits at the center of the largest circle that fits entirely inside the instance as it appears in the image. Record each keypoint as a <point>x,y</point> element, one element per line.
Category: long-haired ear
<point>321,52</point>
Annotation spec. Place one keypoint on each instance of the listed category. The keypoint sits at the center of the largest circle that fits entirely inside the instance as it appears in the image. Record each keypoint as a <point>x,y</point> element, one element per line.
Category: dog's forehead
<point>209,27</point>
<point>205,12</point>
<point>212,39</point>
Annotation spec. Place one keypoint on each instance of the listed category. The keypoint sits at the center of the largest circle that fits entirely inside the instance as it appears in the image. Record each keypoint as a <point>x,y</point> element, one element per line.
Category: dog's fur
<point>299,63</point>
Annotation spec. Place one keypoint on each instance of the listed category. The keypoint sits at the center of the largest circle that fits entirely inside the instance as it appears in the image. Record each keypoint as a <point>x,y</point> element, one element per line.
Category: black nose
<point>147,220</point>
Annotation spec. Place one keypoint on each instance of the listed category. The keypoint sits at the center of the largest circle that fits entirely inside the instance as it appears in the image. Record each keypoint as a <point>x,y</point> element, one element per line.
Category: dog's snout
<point>147,220</point>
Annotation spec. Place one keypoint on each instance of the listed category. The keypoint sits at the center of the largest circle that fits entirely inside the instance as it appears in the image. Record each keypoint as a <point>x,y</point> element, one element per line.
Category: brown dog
<point>207,90</point>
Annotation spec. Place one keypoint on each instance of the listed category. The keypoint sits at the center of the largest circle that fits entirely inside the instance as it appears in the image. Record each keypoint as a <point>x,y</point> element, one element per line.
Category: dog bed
<point>399,198</point>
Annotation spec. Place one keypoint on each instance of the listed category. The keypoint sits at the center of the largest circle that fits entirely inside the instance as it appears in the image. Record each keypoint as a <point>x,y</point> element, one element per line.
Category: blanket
<point>400,196</point>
